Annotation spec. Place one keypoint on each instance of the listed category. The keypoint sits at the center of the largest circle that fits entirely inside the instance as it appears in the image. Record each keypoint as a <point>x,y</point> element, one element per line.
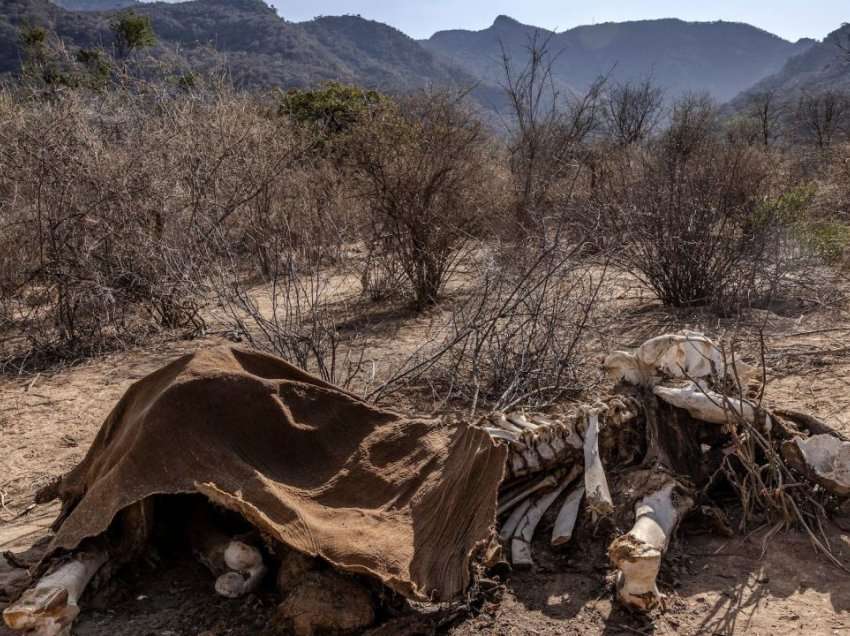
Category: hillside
<point>96,5</point>
<point>722,58</point>
<point>247,38</point>
<point>823,66</point>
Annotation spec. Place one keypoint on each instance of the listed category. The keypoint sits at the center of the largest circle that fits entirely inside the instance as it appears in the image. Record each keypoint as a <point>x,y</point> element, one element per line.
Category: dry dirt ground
<point>757,584</point>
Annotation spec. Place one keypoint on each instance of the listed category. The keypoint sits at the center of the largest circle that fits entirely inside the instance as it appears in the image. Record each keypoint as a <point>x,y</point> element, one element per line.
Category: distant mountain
<point>823,66</point>
<point>247,37</point>
<point>258,48</point>
<point>722,58</point>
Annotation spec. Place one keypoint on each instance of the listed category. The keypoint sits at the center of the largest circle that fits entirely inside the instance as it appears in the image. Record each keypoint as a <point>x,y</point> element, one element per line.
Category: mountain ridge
<point>720,57</point>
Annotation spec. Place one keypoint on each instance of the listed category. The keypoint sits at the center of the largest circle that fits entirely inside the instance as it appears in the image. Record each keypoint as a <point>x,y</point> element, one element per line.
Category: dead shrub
<point>420,167</point>
<point>687,214</point>
<point>548,141</point>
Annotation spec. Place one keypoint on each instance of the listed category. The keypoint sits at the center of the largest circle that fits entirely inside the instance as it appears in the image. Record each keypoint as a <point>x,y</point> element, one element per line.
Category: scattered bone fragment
<point>327,602</point>
<point>596,484</point>
<point>638,553</point>
<point>524,532</point>
<point>706,405</point>
<point>824,459</point>
<point>51,605</point>
<point>565,524</point>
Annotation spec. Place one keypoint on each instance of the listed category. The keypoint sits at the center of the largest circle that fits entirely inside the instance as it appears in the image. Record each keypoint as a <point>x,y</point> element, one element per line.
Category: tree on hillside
<point>132,32</point>
<point>822,117</point>
<point>333,108</point>
<point>767,111</point>
<point>632,110</point>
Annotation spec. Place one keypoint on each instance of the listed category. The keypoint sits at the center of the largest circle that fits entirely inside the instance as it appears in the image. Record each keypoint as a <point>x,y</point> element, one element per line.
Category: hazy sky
<point>790,19</point>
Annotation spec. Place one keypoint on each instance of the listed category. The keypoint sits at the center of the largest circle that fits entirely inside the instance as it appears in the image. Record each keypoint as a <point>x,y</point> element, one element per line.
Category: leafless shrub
<point>767,110</point>
<point>111,203</point>
<point>823,118</point>
<point>518,338</point>
<point>420,170</point>
<point>632,111</point>
<point>547,138</point>
<point>291,312</point>
<point>687,213</point>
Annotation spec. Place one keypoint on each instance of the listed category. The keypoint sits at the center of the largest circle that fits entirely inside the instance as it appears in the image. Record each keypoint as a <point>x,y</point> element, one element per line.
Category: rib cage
<point>539,443</point>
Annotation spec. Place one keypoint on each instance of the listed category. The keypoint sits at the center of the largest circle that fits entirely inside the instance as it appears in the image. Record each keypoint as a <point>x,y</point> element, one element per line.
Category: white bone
<point>519,420</point>
<point>566,522</point>
<point>498,433</point>
<point>706,405</point>
<point>524,533</point>
<point>827,460</point>
<point>550,481</point>
<point>513,520</point>
<point>500,421</point>
<point>50,607</point>
<point>686,355</point>
<point>595,482</point>
<point>637,554</point>
<point>248,569</point>
<point>542,421</point>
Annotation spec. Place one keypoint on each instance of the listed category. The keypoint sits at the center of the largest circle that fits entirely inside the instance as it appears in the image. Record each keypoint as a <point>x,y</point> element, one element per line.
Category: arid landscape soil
<point>756,583</point>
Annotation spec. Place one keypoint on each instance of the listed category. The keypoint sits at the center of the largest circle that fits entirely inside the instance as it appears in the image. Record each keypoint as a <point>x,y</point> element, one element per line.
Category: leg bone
<point>596,484</point>
<point>638,553</point>
<point>49,607</point>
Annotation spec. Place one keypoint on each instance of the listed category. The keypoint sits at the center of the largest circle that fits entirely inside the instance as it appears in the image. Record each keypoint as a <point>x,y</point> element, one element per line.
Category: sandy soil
<point>715,585</point>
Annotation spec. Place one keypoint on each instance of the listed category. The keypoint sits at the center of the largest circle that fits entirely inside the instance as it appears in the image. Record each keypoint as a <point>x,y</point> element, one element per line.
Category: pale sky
<point>791,19</point>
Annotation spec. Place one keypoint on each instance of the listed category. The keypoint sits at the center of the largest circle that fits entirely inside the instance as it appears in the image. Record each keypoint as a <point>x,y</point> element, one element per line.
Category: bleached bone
<point>637,554</point>
<point>237,566</point>
<point>246,570</point>
<point>50,607</point>
<point>498,433</point>
<point>546,447</point>
<point>500,421</point>
<point>511,523</point>
<point>550,481</point>
<point>687,354</point>
<point>524,533</point>
<point>596,484</point>
<point>823,458</point>
<point>520,421</point>
<point>566,522</point>
<point>706,405</point>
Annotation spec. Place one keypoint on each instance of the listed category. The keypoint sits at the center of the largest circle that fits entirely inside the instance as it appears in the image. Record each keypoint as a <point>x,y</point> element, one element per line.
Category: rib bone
<point>638,553</point>
<point>550,481</point>
<point>596,484</point>
<point>513,520</point>
<point>50,607</point>
<point>519,420</point>
<point>524,533</point>
<point>566,521</point>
